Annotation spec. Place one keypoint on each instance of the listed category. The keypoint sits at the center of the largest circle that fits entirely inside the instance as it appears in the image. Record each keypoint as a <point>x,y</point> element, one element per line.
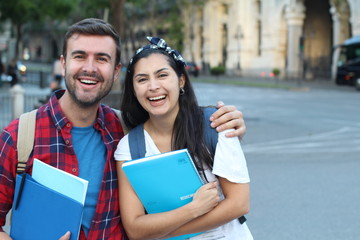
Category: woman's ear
<point>182,81</point>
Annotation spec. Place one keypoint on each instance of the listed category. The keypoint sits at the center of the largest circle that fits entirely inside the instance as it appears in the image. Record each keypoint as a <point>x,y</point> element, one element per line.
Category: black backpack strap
<point>137,142</point>
<point>242,219</point>
<point>210,134</point>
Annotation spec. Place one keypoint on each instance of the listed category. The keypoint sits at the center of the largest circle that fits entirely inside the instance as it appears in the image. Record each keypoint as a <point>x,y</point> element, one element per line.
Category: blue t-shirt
<point>91,154</point>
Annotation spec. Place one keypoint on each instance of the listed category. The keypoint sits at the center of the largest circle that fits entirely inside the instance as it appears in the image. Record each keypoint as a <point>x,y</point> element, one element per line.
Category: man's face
<point>89,68</point>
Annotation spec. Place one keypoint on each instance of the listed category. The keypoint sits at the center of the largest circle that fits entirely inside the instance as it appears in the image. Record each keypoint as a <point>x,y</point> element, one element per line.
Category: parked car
<point>5,78</point>
<point>21,72</point>
<point>192,68</point>
<point>348,69</point>
<point>357,84</point>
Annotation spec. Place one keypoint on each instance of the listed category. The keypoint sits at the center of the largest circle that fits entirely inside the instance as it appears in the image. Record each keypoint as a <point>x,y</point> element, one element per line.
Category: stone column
<point>17,93</point>
<point>295,16</point>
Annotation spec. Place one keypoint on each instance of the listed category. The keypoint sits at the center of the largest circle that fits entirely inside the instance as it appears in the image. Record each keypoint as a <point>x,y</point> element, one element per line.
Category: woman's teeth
<point>157,98</point>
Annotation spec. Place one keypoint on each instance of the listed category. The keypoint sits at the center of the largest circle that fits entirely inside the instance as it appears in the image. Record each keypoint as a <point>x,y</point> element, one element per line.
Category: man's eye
<point>78,56</point>
<point>102,59</point>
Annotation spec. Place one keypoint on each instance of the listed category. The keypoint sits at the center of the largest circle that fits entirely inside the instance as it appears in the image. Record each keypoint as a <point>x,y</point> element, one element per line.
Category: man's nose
<point>90,65</point>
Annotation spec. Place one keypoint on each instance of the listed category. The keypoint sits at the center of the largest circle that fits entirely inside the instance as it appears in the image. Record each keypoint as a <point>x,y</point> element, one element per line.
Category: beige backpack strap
<point>118,113</point>
<point>25,141</point>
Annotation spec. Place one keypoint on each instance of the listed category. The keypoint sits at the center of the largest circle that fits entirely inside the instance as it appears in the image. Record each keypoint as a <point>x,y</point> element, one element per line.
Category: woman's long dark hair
<point>188,126</point>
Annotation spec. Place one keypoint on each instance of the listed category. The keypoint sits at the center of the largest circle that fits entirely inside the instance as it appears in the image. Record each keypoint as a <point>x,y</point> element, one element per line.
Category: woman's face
<point>157,86</point>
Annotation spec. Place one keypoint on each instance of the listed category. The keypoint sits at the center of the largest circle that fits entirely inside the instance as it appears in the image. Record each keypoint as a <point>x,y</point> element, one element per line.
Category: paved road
<point>302,148</point>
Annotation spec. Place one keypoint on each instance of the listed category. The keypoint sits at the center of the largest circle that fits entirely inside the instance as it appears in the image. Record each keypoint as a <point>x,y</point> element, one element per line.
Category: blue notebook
<point>164,182</point>
<point>43,213</point>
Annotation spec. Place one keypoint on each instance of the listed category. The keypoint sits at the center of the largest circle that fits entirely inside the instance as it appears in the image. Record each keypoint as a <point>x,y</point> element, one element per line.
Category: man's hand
<point>66,236</point>
<point>228,117</point>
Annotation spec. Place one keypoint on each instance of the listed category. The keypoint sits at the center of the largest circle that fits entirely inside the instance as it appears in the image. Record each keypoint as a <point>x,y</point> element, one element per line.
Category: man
<point>77,134</point>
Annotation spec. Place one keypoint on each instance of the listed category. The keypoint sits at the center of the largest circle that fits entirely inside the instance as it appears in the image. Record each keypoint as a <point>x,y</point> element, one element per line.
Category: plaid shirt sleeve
<point>8,162</point>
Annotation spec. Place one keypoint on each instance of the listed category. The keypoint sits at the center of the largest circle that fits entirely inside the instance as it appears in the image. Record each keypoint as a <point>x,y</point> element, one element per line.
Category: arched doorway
<point>317,41</point>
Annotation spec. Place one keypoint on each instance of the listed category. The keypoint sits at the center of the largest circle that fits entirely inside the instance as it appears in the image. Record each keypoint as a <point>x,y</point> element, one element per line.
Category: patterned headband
<point>159,43</point>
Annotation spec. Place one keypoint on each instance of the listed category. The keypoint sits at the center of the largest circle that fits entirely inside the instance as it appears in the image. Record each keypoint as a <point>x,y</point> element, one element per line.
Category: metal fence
<point>5,109</point>
<point>31,101</point>
<point>37,78</point>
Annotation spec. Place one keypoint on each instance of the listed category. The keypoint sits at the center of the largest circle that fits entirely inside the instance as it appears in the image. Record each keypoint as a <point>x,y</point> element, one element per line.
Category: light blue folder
<point>164,182</point>
<point>60,181</point>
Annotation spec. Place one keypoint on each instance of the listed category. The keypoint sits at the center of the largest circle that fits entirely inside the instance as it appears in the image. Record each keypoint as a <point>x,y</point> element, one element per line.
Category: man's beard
<point>85,103</point>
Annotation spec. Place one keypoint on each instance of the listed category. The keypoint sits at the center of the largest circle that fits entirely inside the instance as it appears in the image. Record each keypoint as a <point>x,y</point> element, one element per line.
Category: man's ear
<point>63,63</point>
<point>117,71</point>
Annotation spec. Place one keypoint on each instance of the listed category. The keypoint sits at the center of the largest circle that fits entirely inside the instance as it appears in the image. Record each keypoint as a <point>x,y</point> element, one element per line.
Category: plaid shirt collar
<point>61,120</point>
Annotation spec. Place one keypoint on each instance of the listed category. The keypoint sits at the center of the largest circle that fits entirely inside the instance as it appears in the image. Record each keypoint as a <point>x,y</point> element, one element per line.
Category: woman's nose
<point>154,84</point>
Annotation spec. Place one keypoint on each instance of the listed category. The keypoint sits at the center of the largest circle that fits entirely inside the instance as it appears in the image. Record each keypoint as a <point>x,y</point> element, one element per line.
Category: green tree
<point>162,18</point>
<point>20,12</point>
<point>112,11</point>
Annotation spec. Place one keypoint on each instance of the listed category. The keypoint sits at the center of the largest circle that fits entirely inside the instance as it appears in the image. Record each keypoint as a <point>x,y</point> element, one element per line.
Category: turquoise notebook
<point>164,182</point>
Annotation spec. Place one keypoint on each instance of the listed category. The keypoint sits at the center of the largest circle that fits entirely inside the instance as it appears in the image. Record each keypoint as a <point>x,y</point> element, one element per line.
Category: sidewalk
<point>294,85</point>
<point>31,88</point>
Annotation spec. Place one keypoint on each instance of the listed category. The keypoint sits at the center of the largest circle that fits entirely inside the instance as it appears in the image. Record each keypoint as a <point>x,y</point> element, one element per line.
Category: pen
<point>20,190</point>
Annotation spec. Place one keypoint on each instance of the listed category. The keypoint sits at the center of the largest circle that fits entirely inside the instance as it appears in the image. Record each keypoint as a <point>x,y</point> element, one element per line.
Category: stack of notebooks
<point>47,204</point>
<point>164,182</point>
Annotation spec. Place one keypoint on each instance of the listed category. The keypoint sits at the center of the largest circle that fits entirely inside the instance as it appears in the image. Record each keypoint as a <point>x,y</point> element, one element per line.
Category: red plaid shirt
<point>53,145</point>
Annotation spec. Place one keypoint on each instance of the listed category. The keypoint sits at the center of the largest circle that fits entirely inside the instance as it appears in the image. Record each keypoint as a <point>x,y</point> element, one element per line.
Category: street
<point>302,149</point>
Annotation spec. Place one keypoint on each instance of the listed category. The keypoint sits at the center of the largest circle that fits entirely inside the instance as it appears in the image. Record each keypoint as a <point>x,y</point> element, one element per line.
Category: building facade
<point>254,37</point>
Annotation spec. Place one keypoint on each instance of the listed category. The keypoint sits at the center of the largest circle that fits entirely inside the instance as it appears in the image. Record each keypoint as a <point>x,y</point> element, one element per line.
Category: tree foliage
<point>162,17</point>
<point>20,12</point>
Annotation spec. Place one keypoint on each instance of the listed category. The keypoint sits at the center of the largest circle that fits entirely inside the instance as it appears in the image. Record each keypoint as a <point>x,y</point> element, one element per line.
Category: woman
<point>159,95</point>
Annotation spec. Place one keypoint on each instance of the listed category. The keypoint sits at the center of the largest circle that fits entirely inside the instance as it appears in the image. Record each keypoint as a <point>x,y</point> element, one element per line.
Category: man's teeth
<point>157,98</point>
<point>88,81</point>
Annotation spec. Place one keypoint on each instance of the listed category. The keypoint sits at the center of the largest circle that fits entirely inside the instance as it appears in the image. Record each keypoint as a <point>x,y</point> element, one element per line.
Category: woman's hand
<point>205,199</point>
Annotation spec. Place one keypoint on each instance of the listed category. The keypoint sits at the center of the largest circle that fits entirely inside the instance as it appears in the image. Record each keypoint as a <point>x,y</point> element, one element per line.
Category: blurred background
<point>286,38</point>
<point>293,66</point>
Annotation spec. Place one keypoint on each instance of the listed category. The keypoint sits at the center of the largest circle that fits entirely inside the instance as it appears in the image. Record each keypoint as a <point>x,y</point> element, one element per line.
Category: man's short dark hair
<point>96,27</point>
